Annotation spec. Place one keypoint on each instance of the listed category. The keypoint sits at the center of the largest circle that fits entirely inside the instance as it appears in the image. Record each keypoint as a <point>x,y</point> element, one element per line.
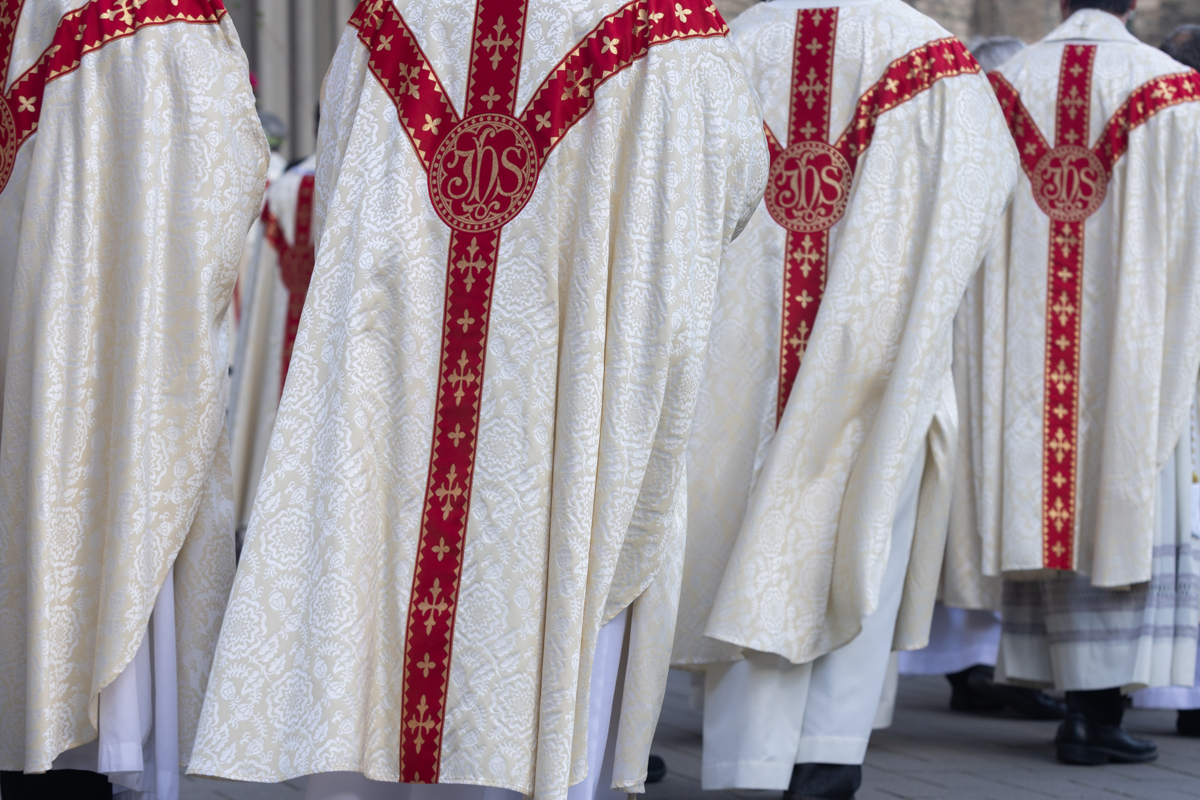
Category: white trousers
<point>138,743</point>
<point>958,639</point>
<point>606,668</point>
<point>763,714</point>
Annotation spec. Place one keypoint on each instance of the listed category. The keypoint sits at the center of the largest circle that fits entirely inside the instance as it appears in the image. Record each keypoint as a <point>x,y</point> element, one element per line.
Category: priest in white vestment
<point>469,529</point>
<point>820,461</point>
<point>274,284</point>
<point>131,167</point>
<point>1088,353</point>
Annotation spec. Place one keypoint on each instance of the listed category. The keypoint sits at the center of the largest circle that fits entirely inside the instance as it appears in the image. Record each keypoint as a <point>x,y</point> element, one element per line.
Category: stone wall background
<point>1027,19</point>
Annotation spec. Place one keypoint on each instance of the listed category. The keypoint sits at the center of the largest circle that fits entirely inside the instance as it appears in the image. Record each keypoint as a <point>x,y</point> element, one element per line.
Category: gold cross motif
<point>449,494</point>
<point>799,340</point>
<point>491,97</point>
<point>458,434</point>
<point>1164,91</point>
<point>1059,514</point>
<point>1060,411</point>
<point>1066,242</point>
<point>805,298</point>
<point>610,45</point>
<point>1071,137</point>
<point>1058,480</point>
<point>441,548</point>
<point>472,265</point>
<point>1064,308</point>
<point>1060,377</point>
<point>385,42</point>
<point>811,88</point>
<point>1058,549</point>
<point>682,12</point>
<point>431,124</point>
<point>1061,445</point>
<point>421,723</point>
<point>436,607</point>
<point>918,65</point>
<point>25,103</point>
<point>408,81</point>
<point>807,255</point>
<point>1073,102</point>
<point>459,379</point>
<point>808,130</point>
<point>425,665</point>
<point>466,320</point>
<point>1062,342</point>
<point>576,84</point>
<point>494,43</point>
<point>813,46</point>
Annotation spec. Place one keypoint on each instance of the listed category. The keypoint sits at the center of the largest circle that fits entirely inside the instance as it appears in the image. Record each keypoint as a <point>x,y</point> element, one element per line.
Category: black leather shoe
<point>1187,722</point>
<point>1082,742</point>
<point>656,769</point>
<point>1032,703</point>
<point>973,690</point>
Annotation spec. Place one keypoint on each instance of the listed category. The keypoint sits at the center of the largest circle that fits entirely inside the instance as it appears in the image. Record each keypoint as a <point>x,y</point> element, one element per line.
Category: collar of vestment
<point>1092,25</point>
<point>793,5</point>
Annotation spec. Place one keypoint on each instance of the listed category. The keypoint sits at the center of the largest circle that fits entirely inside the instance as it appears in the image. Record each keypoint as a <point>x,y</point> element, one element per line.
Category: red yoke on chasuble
<point>478,456</point>
<point>131,166</point>
<point>1070,182</point>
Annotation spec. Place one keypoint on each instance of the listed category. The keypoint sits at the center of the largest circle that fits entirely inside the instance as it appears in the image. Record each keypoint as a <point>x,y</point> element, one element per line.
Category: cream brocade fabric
<point>601,308</point>
<point>120,233</point>
<point>1140,331</point>
<point>789,531</point>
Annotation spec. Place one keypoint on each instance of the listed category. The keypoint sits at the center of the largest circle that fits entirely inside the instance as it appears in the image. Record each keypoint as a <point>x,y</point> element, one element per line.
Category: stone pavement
<point>929,753</point>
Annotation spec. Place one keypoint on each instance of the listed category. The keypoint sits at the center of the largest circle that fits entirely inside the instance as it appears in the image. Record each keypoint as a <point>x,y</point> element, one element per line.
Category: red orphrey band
<point>79,32</point>
<point>1069,184</point>
<point>295,265</point>
<point>482,167</point>
<point>810,180</point>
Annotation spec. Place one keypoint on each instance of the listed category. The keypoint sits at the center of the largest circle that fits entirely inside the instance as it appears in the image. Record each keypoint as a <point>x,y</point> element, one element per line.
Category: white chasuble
<point>131,167</point>
<point>1087,337</point>
<point>828,373</point>
<point>272,298</point>
<point>478,460</point>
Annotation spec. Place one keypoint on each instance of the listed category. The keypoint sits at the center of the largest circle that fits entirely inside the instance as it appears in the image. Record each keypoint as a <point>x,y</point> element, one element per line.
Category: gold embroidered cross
<point>576,84</point>
<point>1066,242</point>
<point>460,379</point>
<point>1164,91</point>
<point>1060,411</point>
<point>472,265</point>
<point>466,320</point>
<point>1071,137</point>
<point>808,130</point>
<point>420,723</point>
<point>805,298</point>
<point>25,103</point>
<point>919,65</point>
<point>431,124</point>
<point>682,12</point>
<point>494,43</point>
<point>1063,342</point>
<point>441,548</point>
<point>892,85</point>
<point>1059,513</point>
<point>543,120</point>
<point>610,45</point>
<point>1058,549</point>
<point>491,97</point>
<point>1073,102</point>
<point>811,88</point>
<point>436,607</point>
<point>1058,480</point>
<point>1064,308</point>
<point>799,340</point>
<point>425,665</point>
<point>1075,70</point>
<point>807,255</point>
<point>458,434</point>
<point>124,9</point>
<point>1060,378</point>
<point>449,493</point>
<point>385,42</point>
<point>408,81</point>
<point>1061,445</point>
<point>813,46</point>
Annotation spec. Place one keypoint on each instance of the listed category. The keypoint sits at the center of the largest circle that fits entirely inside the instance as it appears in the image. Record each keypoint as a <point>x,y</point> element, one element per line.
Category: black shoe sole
<point>1086,755</point>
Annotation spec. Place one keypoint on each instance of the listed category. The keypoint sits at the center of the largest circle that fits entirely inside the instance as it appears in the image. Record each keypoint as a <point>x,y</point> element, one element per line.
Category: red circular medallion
<point>8,143</point>
<point>483,173</point>
<point>1069,183</point>
<point>808,187</point>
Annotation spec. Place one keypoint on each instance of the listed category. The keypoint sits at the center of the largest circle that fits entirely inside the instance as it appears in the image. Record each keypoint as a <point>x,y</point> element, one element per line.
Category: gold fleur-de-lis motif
<point>1059,514</point>
<point>1061,445</point>
<point>578,84</point>
<point>375,12</point>
<point>1061,378</point>
<point>811,88</point>
<point>425,665</point>
<point>646,19</point>
<point>799,340</point>
<point>807,255</point>
<point>123,9</point>
<point>420,723</point>
<point>431,124</point>
<point>1064,308</point>
<point>433,605</point>
<point>449,493</point>
<point>459,379</point>
<point>494,43</point>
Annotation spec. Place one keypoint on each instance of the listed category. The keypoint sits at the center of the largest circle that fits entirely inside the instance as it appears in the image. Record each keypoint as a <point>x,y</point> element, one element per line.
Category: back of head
<point>1118,7</point>
<point>992,51</point>
<point>1183,45</point>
